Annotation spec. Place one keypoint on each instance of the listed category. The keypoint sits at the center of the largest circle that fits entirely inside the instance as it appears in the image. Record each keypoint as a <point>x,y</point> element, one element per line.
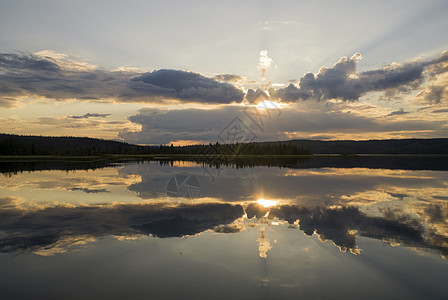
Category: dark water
<point>323,228</point>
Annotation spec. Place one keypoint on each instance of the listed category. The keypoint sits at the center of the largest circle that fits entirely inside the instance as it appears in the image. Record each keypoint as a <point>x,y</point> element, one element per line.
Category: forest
<point>83,146</point>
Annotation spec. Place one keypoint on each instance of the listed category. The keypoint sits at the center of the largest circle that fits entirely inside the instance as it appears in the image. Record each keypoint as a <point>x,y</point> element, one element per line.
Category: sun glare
<point>267,104</point>
<point>266,203</point>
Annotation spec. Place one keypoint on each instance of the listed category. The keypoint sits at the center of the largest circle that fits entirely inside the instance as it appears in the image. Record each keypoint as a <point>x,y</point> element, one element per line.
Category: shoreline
<point>156,157</point>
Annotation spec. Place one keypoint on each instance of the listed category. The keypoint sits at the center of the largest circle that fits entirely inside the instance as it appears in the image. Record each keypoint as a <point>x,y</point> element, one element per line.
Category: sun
<point>267,104</point>
<point>266,203</point>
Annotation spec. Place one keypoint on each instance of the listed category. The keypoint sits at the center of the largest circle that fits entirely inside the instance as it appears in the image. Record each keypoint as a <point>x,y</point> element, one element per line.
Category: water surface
<point>323,228</point>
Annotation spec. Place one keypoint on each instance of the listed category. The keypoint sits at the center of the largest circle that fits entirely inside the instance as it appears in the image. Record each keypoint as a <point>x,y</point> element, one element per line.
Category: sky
<point>190,72</point>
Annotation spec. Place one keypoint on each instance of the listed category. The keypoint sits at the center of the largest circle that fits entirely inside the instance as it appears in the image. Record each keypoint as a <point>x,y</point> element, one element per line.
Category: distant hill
<point>395,146</point>
<point>40,145</point>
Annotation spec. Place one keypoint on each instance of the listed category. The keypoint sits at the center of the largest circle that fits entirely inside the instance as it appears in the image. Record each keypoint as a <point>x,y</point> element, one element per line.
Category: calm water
<point>330,228</point>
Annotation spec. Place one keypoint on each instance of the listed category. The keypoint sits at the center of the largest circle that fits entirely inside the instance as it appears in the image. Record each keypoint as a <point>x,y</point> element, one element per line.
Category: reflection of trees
<point>306,162</point>
<point>240,161</point>
<point>14,167</point>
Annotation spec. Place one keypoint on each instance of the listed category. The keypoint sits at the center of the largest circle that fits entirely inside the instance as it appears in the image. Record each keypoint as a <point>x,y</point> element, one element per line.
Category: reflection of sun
<point>266,203</point>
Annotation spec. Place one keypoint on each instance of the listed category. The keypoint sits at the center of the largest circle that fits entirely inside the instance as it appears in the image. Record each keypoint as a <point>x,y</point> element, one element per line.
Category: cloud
<point>436,92</point>
<point>55,76</point>
<point>184,85</point>
<point>60,79</point>
<point>397,113</point>
<point>445,110</point>
<point>19,62</point>
<point>264,63</point>
<point>229,78</point>
<point>89,190</point>
<point>256,96</point>
<point>342,81</point>
<point>161,127</point>
<point>301,120</point>
<point>32,75</point>
<point>7,102</point>
<point>90,115</point>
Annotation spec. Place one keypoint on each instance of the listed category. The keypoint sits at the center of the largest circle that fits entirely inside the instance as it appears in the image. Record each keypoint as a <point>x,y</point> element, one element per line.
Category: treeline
<point>70,146</point>
<point>392,146</point>
<point>249,149</point>
<point>80,146</point>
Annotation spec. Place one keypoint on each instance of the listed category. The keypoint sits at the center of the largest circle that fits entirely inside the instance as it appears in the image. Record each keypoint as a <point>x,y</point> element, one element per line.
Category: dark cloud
<point>7,102</point>
<point>440,111</point>
<point>256,96</point>
<point>90,115</point>
<point>36,76</point>
<point>89,190</point>
<point>397,113</point>
<point>436,91</point>
<point>27,74</point>
<point>19,62</point>
<point>343,82</point>
<point>398,195</point>
<point>186,86</point>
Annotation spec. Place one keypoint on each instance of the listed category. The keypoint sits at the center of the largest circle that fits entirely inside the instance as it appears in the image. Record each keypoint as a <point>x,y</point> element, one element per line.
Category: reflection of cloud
<point>436,214</point>
<point>231,228</point>
<point>9,203</point>
<point>256,210</point>
<point>398,206</point>
<point>189,220</point>
<point>54,227</point>
<point>341,225</point>
<point>264,245</point>
<point>319,185</point>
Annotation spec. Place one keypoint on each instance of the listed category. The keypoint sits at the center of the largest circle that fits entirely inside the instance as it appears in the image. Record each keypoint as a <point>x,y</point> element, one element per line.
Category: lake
<point>319,228</point>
